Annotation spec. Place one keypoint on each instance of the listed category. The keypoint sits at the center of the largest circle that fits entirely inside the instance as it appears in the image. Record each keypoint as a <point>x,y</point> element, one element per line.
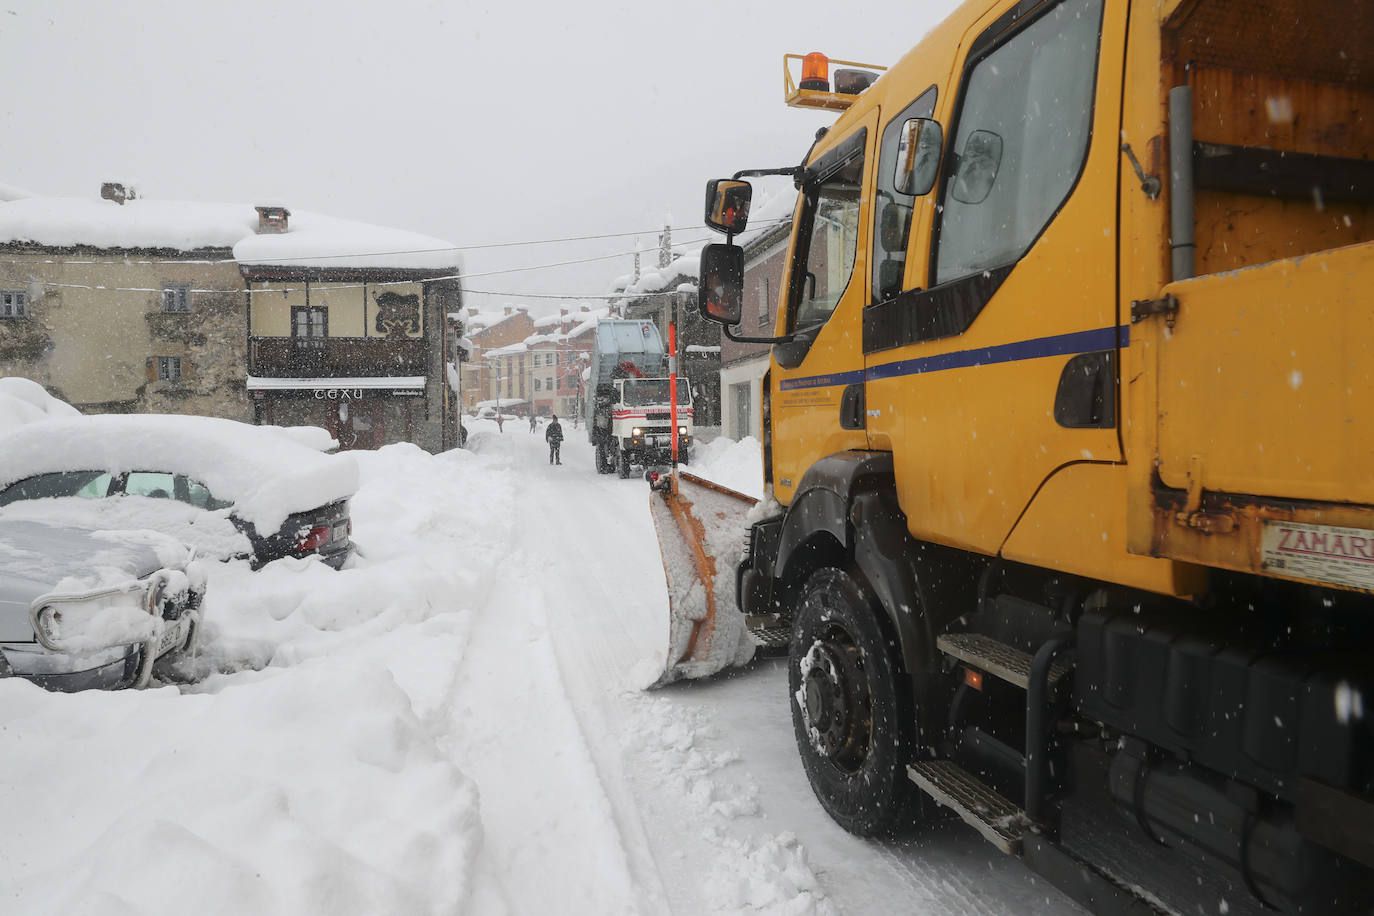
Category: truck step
<point>996,658</point>
<point>769,631</point>
<point>1000,821</point>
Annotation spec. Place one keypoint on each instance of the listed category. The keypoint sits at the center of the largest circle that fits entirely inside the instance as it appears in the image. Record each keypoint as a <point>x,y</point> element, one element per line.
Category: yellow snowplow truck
<point>1068,445</point>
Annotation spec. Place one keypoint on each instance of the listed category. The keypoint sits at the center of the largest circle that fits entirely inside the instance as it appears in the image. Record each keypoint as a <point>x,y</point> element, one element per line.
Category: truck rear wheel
<point>851,715</point>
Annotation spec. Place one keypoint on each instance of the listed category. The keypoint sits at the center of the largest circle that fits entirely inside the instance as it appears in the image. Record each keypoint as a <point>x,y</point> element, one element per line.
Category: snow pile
<point>309,771</point>
<point>266,474</point>
<point>737,465</point>
<point>23,401</point>
<point>326,754</point>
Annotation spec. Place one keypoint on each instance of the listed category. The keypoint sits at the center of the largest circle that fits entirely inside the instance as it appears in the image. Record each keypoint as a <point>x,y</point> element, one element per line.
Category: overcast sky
<point>477,123</point>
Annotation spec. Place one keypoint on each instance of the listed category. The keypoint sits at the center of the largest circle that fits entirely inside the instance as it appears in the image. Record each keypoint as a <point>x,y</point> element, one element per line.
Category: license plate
<point>1322,553</point>
<point>174,636</point>
<point>340,533</point>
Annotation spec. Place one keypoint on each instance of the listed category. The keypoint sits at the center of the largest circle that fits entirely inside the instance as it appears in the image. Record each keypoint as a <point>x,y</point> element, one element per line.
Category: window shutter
<point>150,369</point>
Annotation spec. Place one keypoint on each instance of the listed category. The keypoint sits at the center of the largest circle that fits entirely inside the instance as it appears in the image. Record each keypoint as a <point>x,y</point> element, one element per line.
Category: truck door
<point>993,366</point>
<point>817,379</point>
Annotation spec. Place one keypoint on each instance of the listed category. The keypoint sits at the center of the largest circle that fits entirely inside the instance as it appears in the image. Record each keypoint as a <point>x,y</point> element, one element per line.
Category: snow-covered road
<point>456,725</point>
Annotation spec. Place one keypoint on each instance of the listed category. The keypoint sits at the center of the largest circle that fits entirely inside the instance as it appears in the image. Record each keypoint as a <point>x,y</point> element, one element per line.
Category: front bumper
<point>59,660</point>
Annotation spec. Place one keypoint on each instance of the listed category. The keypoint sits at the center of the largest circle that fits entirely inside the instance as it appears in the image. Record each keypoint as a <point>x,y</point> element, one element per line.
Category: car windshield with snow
<point>225,488</point>
<point>83,608</point>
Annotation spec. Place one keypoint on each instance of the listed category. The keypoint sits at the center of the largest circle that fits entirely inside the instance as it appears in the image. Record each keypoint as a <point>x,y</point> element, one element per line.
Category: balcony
<point>337,357</point>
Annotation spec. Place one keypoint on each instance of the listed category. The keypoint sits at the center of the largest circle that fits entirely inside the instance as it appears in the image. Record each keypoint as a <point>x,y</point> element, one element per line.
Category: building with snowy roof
<point>125,304</point>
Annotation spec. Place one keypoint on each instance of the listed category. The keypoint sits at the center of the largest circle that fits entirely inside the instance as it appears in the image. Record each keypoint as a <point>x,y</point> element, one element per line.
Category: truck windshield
<point>646,392</point>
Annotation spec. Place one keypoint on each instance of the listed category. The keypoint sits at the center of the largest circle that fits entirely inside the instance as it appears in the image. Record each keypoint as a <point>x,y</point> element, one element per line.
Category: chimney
<point>272,219</point>
<point>472,311</point>
<point>113,190</point>
<point>510,309</point>
<point>562,312</point>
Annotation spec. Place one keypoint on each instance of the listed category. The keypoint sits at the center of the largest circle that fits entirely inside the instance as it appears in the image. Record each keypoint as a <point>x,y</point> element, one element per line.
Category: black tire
<point>851,709</point>
<point>623,467</point>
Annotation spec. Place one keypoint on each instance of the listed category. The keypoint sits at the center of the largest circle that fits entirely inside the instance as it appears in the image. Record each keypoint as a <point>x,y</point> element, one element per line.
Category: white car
<point>82,608</point>
<point>226,488</point>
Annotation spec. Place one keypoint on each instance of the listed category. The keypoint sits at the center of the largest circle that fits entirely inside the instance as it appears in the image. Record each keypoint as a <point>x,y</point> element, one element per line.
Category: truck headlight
<point>682,430</point>
<point>637,432</point>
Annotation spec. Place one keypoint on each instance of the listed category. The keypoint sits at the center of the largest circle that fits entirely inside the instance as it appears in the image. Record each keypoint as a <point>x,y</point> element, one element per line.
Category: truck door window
<point>829,237</point>
<point>892,215</point>
<point>1020,140</point>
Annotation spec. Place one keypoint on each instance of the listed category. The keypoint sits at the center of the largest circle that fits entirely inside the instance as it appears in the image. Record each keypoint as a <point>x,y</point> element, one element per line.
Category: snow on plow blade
<point>700,528</point>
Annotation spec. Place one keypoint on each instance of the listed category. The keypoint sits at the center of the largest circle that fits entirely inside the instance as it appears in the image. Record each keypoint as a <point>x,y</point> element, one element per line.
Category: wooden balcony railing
<point>340,357</point>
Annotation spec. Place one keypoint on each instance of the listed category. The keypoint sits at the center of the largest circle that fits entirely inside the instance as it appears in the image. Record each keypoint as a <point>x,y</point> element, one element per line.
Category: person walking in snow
<point>554,437</point>
<point>532,421</point>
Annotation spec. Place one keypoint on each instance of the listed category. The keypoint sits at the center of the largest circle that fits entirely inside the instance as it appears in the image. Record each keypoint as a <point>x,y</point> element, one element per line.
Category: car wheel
<point>851,709</point>
<point>624,465</point>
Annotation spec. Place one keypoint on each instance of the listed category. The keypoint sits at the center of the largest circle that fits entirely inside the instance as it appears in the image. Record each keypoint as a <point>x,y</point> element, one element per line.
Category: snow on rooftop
<point>324,241</point>
<point>687,264</point>
<point>311,240</point>
<point>490,319</point>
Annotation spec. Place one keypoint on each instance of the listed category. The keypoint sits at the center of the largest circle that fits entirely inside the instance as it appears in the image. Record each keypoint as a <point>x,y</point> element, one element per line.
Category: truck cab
<point>641,423</point>
<point>1064,426</point>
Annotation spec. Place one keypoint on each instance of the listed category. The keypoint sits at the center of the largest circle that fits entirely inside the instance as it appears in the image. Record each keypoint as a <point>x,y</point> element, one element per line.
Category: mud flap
<point>701,530</point>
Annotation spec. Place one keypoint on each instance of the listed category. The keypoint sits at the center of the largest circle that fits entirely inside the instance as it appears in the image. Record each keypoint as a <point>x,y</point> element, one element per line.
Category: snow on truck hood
<point>267,473</point>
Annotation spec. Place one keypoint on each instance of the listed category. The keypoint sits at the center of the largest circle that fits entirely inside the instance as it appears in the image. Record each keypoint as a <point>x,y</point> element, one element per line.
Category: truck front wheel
<point>852,719</point>
<point>623,466</point>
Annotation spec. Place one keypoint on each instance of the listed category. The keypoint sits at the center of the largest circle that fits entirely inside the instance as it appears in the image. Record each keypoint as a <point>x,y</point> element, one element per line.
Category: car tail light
<point>314,539</point>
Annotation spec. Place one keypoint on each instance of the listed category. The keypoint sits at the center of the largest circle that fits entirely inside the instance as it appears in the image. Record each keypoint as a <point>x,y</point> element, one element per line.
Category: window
<point>892,215</point>
<point>829,236</point>
<point>166,485</point>
<point>765,301</point>
<point>13,304</point>
<point>169,368</point>
<point>84,484</point>
<point>176,298</point>
<point>309,326</point>
<point>538,384</point>
<point>1020,140</point>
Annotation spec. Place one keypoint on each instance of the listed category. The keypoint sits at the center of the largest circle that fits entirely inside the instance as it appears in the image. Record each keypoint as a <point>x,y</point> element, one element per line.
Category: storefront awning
<point>413,382</point>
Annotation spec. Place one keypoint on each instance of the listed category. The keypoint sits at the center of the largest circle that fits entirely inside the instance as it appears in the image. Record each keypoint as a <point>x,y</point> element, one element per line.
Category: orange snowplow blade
<point>701,528</point>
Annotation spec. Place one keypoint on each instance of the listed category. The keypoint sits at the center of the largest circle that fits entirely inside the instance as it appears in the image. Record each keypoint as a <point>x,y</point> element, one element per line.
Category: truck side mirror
<point>918,156</point>
<point>727,205</point>
<point>720,297</point>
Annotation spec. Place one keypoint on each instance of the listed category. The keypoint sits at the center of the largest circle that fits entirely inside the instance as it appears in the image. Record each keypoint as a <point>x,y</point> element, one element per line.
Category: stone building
<point>124,304</point>
<point>355,342</point>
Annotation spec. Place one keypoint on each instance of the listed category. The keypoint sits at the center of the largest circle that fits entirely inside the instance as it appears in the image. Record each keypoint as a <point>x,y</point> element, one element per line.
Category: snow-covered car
<point>86,609</point>
<point>226,488</point>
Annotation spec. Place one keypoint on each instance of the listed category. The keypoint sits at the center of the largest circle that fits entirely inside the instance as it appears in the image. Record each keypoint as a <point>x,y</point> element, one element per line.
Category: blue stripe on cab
<point>1059,345</point>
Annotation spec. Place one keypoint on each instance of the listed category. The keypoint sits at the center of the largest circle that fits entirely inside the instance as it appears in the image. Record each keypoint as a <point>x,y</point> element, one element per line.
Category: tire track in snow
<point>557,839</point>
